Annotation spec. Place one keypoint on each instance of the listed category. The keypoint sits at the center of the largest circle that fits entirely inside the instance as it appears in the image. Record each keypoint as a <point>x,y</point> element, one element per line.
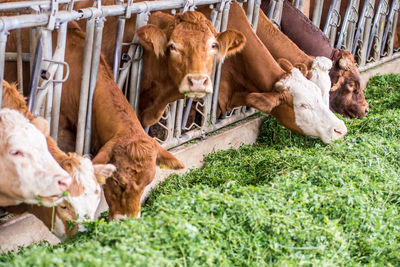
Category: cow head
<point>346,95</point>
<point>28,171</point>
<point>188,43</point>
<point>136,159</point>
<point>84,194</point>
<point>299,106</point>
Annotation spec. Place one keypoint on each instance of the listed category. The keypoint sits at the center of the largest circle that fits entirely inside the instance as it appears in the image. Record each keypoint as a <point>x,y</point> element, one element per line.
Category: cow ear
<point>285,64</point>
<point>104,155</point>
<point>264,102</point>
<point>230,42</point>
<point>103,171</point>
<point>168,161</point>
<point>303,69</point>
<point>153,39</point>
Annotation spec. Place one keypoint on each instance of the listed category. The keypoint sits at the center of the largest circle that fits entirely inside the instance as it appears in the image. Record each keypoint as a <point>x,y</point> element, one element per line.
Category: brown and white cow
<point>84,193</point>
<point>346,95</point>
<point>29,174</point>
<point>248,78</point>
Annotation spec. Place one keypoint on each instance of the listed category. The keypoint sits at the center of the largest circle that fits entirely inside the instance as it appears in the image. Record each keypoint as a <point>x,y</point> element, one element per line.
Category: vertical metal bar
<point>94,68</point>
<point>319,4</point>
<point>360,26</point>
<point>118,46</point>
<point>136,68</point>
<point>362,54</point>
<point>375,26</point>
<point>186,112</point>
<point>35,73</point>
<point>84,93</point>
<point>389,23</point>
<point>3,42</point>
<point>56,100</point>
<point>256,12</point>
<point>178,121</point>
<point>47,54</point>
<point>344,28</point>
<point>19,62</point>
<point>250,9</point>
<point>215,95</point>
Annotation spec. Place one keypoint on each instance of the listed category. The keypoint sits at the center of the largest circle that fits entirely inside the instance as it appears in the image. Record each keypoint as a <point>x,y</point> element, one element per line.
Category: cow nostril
<point>205,81</point>
<point>366,111</point>
<point>190,81</point>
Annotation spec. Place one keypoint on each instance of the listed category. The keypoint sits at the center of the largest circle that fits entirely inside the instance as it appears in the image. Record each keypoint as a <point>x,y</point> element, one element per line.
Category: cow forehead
<point>26,136</point>
<point>186,33</point>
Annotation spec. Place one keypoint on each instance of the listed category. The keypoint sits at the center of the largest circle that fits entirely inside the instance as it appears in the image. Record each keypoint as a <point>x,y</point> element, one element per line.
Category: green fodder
<point>287,200</point>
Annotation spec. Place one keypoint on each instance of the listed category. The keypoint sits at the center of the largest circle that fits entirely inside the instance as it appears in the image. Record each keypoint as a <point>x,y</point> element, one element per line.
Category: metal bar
<point>47,54</point>
<point>118,46</point>
<point>178,120</point>
<point>387,26</point>
<point>374,27</point>
<point>250,10</point>
<point>35,73</point>
<point>215,95</point>
<point>98,32</point>
<point>136,68</point>
<point>361,25</point>
<point>189,102</point>
<point>56,100</point>
<point>43,4</point>
<point>256,12</point>
<point>13,56</point>
<point>3,42</point>
<point>19,62</point>
<point>319,4</point>
<point>84,93</point>
<point>344,28</point>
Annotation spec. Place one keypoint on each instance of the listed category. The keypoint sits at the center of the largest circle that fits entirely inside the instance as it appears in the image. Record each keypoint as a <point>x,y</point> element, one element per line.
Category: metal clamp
<point>128,11</point>
<point>189,5</point>
<point>48,80</point>
<point>53,15</point>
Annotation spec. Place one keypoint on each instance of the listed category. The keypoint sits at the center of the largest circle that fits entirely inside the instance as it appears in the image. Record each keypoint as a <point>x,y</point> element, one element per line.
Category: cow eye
<point>214,46</point>
<point>172,47</point>
<point>303,106</point>
<point>16,153</point>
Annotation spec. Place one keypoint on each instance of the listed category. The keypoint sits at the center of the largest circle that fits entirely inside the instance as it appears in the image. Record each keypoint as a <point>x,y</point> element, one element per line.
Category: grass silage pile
<point>287,200</point>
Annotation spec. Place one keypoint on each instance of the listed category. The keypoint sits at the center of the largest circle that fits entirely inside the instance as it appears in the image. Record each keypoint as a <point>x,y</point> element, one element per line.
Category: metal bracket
<point>189,5</point>
<point>53,15</point>
<point>46,75</point>
<point>128,12</point>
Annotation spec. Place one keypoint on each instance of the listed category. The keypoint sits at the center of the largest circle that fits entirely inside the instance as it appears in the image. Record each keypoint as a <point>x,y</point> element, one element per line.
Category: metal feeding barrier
<point>367,29</point>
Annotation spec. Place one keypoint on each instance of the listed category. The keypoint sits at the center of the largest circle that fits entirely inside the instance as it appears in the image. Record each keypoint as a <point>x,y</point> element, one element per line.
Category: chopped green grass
<point>288,200</point>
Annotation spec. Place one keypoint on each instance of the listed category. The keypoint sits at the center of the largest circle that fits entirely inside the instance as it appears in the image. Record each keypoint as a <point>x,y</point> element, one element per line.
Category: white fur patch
<point>312,115</point>
<point>320,76</point>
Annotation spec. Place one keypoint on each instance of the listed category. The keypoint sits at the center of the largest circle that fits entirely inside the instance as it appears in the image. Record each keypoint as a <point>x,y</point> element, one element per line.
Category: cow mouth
<point>195,94</point>
<point>51,200</point>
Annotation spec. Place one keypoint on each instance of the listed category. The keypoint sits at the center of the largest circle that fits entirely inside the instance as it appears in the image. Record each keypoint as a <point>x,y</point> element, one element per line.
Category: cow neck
<point>254,62</point>
<point>303,32</point>
<point>157,89</point>
<point>278,43</point>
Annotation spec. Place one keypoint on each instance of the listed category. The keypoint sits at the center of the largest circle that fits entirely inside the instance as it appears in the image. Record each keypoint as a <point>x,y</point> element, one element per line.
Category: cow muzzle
<point>339,131</point>
<point>196,85</point>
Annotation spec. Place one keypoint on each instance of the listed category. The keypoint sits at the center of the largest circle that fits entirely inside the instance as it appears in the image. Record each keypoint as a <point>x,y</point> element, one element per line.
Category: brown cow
<point>346,96</point>
<point>117,135</point>
<point>178,57</point>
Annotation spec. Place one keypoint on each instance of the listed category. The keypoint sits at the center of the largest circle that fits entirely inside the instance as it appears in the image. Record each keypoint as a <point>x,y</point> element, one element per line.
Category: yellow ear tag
<point>163,166</point>
<point>102,180</point>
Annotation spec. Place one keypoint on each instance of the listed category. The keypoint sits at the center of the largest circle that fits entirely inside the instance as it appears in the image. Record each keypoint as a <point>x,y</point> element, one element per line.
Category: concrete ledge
<point>22,231</point>
<point>233,136</point>
<point>392,66</point>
